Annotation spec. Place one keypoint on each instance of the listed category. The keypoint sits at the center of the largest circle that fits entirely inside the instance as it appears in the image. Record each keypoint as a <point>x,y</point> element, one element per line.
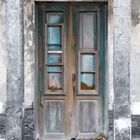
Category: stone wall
<point>29,71</point>
<point>2,67</point>
<point>2,55</point>
<point>14,69</point>
<point>135,69</point>
<point>121,69</point>
<point>29,53</point>
<point>21,109</point>
<point>28,125</point>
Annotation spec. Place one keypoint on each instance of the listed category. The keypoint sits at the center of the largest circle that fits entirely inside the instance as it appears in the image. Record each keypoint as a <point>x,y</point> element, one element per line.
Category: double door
<point>71,49</point>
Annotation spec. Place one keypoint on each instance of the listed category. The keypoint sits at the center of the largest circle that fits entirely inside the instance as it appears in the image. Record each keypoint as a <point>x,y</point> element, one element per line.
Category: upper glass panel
<point>54,35</point>
<point>88,62</point>
<point>54,59</point>
<point>87,30</point>
<point>54,47</point>
<point>55,81</point>
<point>54,18</point>
<point>54,69</point>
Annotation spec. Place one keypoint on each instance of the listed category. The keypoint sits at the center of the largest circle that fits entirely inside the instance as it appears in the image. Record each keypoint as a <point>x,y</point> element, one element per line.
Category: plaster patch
<point>14,69</point>
<point>2,108</point>
<point>122,124</point>
<point>135,41</point>
<point>111,99</point>
<point>29,51</point>
<point>134,59</point>
<point>135,108</point>
<point>2,52</point>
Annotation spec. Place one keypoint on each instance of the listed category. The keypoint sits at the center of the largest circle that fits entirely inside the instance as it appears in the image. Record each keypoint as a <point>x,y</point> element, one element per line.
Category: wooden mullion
<point>53,11</point>
<point>49,44</point>
<point>58,64</point>
<point>48,97</point>
<point>92,72</point>
<point>55,64</point>
<point>54,52</point>
<point>87,51</point>
<point>55,24</point>
<point>56,93</point>
<point>90,96</point>
<point>55,71</point>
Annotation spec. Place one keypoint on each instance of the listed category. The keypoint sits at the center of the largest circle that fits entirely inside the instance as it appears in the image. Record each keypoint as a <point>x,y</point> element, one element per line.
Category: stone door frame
<point>30,61</point>
<point>30,52</point>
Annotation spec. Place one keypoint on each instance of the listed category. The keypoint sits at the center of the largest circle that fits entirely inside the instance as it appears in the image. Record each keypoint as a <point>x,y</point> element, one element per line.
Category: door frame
<point>109,61</point>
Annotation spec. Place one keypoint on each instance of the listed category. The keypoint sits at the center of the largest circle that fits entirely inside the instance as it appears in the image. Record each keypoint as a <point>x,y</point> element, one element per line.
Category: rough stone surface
<point>135,12</point>
<point>119,120</point>
<point>135,57</point>
<point>28,124</point>
<point>2,69</point>
<point>29,53</point>
<point>2,125</point>
<point>111,124</point>
<point>14,46</point>
<point>2,56</point>
<point>29,70</point>
<point>122,28</point>
<point>109,63</point>
<point>109,69</point>
<point>135,69</point>
<point>136,126</point>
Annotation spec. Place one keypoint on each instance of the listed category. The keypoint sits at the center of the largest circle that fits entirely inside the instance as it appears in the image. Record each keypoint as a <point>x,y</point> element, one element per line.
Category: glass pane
<point>54,116</point>
<point>54,58</point>
<point>54,47</point>
<point>54,81</point>
<point>54,35</point>
<point>88,116</point>
<point>87,30</point>
<point>87,81</point>
<point>54,69</point>
<point>88,62</point>
<point>54,18</point>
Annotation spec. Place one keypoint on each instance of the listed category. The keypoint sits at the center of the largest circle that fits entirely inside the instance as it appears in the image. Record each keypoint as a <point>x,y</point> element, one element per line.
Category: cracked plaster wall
<point>29,53</point>
<point>29,59</point>
<point>29,70</point>
<point>2,68</point>
<point>135,69</point>
<point>14,69</point>
<point>121,69</point>
<point>2,57</point>
<point>135,58</point>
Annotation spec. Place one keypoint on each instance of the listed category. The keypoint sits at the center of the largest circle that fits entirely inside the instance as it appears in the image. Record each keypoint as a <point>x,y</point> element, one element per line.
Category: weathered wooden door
<point>72,103</point>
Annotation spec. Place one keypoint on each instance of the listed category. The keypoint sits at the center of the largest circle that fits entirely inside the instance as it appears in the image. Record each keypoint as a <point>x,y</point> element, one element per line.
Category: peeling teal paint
<point>102,48</point>
<point>40,48</point>
<point>102,61</point>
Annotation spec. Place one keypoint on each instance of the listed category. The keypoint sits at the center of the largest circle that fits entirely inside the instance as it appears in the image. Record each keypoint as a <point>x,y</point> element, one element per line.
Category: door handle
<point>73,81</point>
<point>73,77</point>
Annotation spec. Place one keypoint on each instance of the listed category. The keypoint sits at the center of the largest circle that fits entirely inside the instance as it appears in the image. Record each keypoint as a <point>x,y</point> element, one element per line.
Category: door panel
<point>88,119</point>
<point>54,116</point>
<point>71,99</point>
